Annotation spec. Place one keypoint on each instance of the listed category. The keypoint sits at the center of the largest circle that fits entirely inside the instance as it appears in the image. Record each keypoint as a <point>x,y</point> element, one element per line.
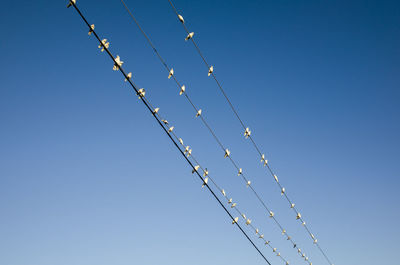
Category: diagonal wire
<point>251,139</point>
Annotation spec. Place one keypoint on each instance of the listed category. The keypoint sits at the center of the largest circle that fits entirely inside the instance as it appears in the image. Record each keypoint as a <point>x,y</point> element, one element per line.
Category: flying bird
<point>210,70</point>
<point>171,73</point>
<point>70,3</point>
<point>91,29</point>
<point>189,36</point>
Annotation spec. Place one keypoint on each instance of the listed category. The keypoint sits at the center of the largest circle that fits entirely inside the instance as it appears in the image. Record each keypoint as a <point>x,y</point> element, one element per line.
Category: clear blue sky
<point>87,177</point>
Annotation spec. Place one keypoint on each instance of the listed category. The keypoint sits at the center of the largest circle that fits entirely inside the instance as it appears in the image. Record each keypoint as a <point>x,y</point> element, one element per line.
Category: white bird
<point>261,236</point>
<point>298,216</point>
<point>248,222</point>
<point>274,250</point>
<point>267,242</point>
<point>263,160</point>
<point>278,254</point>
<point>195,169</point>
<point>315,241</point>
<point>171,129</point>
<point>256,231</point>
<point>165,122</point>
<point>247,133</point>
<point>104,45</point>
<point>91,29</point>
<point>248,183</point>
<point>141,93</point>
<point>283,231</point>
<point>205,182</point>
<point>240,172</point>
<point>282,191</point>
<point>303,223</point>
<point>230,201</point>
<point>271,214</point>
<point>276,178</point>
<point>233,205</point>
<point>223,192</point>
<point>198,113</point>
<point>235,220</point>
<point>227,153</point>
<point>171,73</point>
<point>181,141</point>
<point>129,76</point>
<point>182,90</point>
<point>70,3</point>
<point>244,216</point>
<point>303,255</point>
<point>189,153</point>
<point>189,36</point>
<point>292,205</point>
<point>299,250</point>
<point>306,258</point>
<point>181,19</point>
<point>210,70</point>
<point>155,111</point>
<point>118,63</point>
<point>205,172</point>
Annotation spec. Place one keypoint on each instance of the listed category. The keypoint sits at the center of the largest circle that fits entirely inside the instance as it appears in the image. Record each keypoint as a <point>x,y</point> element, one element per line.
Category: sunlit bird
<point>263,160</point>
<point>244,216</point>
<point>205,172</point>
<point>282,191</point>
<point>223,192</point>
<point>230,201</point>
<point>292,205</point>
<point>205,182</point>
<point>235,220</point>
<point>248,183</point>
<point>240,172</point>
<point>227,153</point>
<point>298,216</point>
<point>181,141</point>
<point>182,90</point>
<point>129,76</point>
<point>118,63</point>
<point>247,133</point>
<point>165,122</point>
<point>276,178</point>
<point>141,92</point>
<point>104,45</point>
<point>261,236</point>
<point>171,73</point>
<point>210,70</point>
<point>189,36</point>
<point>70,3</point>
<point>171,129</point>
<point>195,169</point>
<point>271,214</point>
<point>155,111</point>
<point>198,113</point>
<point>248,221</point>
<point>274,250</point>
<point>91,29</point>
<point>181,19</point>
<point>233,205</point>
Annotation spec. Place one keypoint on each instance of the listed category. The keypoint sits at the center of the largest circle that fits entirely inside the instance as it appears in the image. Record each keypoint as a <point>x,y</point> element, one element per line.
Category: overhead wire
<point>185,93</point>
<point>211,72</point>
<point>118,66</point>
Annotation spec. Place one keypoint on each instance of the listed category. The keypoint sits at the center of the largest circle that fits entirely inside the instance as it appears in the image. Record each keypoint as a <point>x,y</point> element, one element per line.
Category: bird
<point>181,19</point>
<point>303,223</point>
<point>91,29</point>
<point>240,172</point>
<point>235,220</point>
<point>128,76</point>
<point>276,178</point>
<point>230,201</point>
<point>104,45</point>
<point>261,236</point>
<point>233,205</point>
<point>189,153</point>
<point>278,254</point>
<point>205,182</point>
<point>118,63</point>
<point>210,70</point>
<point>288,238</point>
<point>294,245</point>
<point>205,172</point>
<point>274,250</point>
<point>181,141</point>
<point>263,160</point>
<point>195,169</point>
<point>171,129</point>
<point>141,93</point>
<point>244,216</point>
<point>271,214</point>
<point>198,113</point>
<point>70,3</point>
<point>223,192</point>
<point>182,90</point>
<point>187,149</point>
<point>282,191</point>
<point>189,36</point>
<point>227,153</point>
<point>299,250</point>
<point>267,242</point>
<point>248,183</point>
<point>165,122</point>
<point>248,221</point>
<point>256,231</point>
<point>315,241</point>
<point>283,231</point>
<point>155,111</point>
<point>171,73</point>
<point>298,216</point>
<point>247,133</point>
<point>292,205</point>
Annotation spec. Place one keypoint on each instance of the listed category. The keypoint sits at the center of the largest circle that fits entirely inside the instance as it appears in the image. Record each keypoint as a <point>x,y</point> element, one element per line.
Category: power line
<point>284,232</point>
<point>292,205</point>
<point>118,65</point>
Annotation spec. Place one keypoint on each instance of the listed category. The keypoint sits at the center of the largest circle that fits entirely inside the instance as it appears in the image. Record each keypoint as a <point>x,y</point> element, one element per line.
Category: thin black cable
<point>205,122</point>
<point>251,138</point>
<point>165,130</point>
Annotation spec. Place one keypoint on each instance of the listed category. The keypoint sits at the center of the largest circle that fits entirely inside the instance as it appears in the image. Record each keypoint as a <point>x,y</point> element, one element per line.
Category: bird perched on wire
<point>104,45</point>
<point>211,70</point>
<point>171,73</point>
<point>198,113</point>
<point>181,19</point>
<point>183,88</point>
<point>128,76</point>
<point>118,63</point>
<point>70,3</point>
<point>91,29</point>
<point>189,36</point>
<point>227,153</point>
<point>141,93</point>
<point>247,133</point>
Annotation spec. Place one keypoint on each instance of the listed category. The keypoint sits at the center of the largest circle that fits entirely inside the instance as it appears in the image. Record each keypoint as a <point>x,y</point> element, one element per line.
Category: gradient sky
<point>88,177</point>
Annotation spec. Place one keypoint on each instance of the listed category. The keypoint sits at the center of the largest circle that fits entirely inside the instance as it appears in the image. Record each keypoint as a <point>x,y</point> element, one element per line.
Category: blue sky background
<point>88,177</point>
